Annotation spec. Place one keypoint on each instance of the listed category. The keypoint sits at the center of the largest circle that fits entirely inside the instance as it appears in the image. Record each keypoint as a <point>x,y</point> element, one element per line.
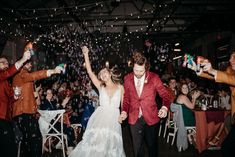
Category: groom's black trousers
<point>141,132</point>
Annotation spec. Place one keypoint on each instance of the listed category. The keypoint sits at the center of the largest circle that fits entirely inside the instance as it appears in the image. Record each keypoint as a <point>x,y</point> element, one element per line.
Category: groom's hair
<point>232,51</point>
<point>140,59</point>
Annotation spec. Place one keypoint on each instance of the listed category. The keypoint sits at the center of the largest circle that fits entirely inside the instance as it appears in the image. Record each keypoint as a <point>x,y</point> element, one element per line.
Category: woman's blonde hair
<point>115,75</point>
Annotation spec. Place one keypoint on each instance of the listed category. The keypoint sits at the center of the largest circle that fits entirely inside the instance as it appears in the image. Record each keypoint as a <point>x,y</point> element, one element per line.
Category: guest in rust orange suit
<point>228,77</point>
<point>25,108</point>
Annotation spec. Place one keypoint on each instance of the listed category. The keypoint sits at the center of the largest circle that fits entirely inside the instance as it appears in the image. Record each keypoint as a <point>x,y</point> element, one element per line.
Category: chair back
<point>48,119</point>
<point>47,124</point>
<point>181,141</point>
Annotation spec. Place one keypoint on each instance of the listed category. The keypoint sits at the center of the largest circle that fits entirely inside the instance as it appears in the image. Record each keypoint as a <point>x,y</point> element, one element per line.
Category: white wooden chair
<point>170,128</point>
<point>186,130</point>
<point>172,131</point>
<point>47,122</point>
<point>77,127</point>
<point>18,149</point>
<point>169,123</point>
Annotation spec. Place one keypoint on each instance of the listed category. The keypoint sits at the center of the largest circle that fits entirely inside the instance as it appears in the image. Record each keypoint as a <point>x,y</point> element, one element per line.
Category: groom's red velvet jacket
<point>131,102</point>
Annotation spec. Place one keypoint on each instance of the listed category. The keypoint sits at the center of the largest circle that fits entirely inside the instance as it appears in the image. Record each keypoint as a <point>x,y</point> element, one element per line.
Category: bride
<point>103,135</point>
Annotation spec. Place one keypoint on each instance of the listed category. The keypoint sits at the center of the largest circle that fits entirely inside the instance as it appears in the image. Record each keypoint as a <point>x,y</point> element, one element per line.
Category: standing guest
<point>6,96</point>
<point>25,109</point>
<point>227,77</point>
<point>141,88</point>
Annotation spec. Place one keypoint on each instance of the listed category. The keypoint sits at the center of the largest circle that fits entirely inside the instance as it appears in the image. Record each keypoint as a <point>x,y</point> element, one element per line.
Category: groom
<point>141,88</point>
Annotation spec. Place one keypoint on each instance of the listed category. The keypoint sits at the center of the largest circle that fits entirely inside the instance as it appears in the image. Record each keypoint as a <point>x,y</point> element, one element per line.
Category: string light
<point>58,36</point>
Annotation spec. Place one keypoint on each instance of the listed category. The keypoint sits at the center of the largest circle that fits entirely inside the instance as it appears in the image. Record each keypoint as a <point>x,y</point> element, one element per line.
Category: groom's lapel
<point>133,84</point>
<point>146,80</point>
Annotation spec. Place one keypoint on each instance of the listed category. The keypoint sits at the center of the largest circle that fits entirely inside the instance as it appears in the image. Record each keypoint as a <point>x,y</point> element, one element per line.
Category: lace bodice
<point>110,101</point>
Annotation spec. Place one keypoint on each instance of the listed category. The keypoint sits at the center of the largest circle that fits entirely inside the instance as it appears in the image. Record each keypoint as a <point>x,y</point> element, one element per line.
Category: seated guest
<point>88,110</point>
<point>187,104</point>
<point>49,103</point>
<point>224,99</point>
<point>172,88</point>
<point>187,107</point>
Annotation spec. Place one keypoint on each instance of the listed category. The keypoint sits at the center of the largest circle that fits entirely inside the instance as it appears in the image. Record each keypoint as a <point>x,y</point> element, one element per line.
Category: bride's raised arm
<point>91,74</point>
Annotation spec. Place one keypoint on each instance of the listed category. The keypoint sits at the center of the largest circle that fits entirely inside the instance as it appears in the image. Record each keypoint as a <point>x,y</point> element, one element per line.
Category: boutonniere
<point>146,79</point>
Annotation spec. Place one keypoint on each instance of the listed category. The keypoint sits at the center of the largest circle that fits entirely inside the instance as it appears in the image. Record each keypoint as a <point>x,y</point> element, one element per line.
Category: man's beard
<point>139,76</point>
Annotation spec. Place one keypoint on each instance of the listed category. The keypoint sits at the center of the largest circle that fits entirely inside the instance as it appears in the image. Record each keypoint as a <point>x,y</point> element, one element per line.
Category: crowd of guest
<point>74,92</point>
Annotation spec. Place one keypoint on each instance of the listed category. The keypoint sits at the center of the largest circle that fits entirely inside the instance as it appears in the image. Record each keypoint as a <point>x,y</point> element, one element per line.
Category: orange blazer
<point>26,102</point>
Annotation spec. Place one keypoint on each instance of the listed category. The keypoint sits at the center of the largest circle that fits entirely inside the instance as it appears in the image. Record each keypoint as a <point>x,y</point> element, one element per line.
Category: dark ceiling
<point>167,19</point>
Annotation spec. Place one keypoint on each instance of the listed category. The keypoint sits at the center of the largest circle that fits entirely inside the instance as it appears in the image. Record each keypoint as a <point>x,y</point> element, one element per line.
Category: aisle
<point>165,149</point>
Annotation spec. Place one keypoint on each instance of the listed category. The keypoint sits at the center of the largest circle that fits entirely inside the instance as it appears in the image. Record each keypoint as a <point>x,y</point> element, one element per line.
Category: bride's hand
<point>122,117</point>
<point>85,50</point>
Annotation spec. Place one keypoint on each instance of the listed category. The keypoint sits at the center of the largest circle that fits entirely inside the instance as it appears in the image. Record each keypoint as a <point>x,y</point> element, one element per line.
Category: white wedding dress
<point>103,135</point>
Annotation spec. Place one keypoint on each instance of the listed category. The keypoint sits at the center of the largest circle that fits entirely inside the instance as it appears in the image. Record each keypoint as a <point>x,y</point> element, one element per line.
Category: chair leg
<point>173,138</point>
<point>166,126</point>
<point>18,151</point>
<point>66,143</point>
<point>180,149</point>
<point>160,129</point>
<point>49,144</point>
<point>63,148</point>
<point>167,138</point>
